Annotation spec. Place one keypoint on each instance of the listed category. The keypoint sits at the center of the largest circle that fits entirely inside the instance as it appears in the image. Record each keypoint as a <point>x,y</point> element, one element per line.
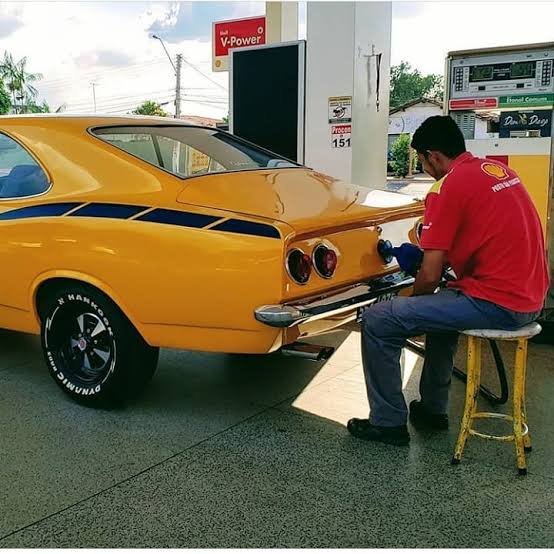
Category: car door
<point>23,182</point>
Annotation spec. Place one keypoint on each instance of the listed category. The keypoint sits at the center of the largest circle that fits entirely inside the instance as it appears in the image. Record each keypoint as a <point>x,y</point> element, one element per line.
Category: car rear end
<point>331,274</point>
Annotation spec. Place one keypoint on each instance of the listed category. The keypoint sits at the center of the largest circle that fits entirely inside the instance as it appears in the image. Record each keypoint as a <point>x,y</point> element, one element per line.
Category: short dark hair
<point>440,133</point>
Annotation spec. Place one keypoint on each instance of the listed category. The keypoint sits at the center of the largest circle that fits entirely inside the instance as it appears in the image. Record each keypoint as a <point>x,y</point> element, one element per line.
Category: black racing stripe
<point>113,211</point>
<point>176,217</point>
<point>42,210</point>
<point>248,228</point>
<point>158,215</point>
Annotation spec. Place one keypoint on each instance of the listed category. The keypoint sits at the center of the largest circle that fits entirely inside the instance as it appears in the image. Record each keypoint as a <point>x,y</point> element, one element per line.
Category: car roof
<point>88,120</point>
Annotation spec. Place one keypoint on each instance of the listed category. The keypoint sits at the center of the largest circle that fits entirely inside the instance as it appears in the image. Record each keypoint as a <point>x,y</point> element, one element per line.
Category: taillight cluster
<point>323,260</point>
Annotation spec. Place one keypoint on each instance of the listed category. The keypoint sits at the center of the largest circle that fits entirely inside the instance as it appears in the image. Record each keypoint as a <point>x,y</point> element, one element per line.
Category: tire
<point>93,352</point>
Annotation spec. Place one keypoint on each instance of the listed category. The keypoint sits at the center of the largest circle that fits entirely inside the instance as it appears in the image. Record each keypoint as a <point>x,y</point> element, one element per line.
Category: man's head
<point>438,142</point>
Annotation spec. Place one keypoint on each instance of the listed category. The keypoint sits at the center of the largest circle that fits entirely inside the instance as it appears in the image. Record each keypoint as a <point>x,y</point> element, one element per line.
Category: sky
<point>75,44</point>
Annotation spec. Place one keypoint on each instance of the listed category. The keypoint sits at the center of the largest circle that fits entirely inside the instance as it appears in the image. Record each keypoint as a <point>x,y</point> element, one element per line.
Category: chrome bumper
<point>356,296</point>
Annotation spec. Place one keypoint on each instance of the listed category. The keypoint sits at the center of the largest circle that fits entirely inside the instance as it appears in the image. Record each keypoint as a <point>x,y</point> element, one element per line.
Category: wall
<point>481,126</point>
<point>369,126</point>
<point>339,35</point>
<point>329,72</point>
<point>409,120</point>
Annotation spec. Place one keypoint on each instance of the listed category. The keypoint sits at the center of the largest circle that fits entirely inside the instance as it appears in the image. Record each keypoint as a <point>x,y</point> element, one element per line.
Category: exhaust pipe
<point>312,352</point>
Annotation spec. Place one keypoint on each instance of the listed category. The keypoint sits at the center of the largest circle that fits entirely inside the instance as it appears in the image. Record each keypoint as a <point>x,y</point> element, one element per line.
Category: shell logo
<point>494,170</point>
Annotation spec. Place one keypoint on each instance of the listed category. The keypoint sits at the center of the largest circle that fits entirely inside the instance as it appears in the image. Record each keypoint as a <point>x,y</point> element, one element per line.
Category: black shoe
<point>421,418</point>
<point>362,429</point>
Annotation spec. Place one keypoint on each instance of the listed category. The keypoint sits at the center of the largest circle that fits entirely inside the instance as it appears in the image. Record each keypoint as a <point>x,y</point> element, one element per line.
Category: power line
<point>118,107</point>
<point>204,75</point>
<point>117,98</point>
<point>144,94</point>
<point>90,74</point>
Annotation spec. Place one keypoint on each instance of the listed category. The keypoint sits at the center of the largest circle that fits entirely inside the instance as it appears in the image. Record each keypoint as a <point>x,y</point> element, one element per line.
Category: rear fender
<point>82,278</point>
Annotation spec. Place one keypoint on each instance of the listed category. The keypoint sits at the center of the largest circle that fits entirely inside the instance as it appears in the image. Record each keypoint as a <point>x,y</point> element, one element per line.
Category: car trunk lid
<point>306,200</point>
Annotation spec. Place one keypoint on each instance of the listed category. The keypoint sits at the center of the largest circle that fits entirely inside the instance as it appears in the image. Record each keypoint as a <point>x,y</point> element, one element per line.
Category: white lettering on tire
<point>50,357</point>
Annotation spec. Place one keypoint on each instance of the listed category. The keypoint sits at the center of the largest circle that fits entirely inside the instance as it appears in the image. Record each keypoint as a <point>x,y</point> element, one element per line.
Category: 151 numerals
<point>341,142</point>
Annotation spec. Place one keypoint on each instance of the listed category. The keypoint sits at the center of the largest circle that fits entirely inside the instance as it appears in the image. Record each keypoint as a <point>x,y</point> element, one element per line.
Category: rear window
<point>190,151</point>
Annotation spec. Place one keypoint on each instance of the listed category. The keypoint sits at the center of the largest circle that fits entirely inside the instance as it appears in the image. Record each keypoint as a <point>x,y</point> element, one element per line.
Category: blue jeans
<point>386,327</point>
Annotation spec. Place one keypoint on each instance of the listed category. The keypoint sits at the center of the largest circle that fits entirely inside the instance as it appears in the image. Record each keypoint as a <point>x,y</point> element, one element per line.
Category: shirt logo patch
<point>494,170</point>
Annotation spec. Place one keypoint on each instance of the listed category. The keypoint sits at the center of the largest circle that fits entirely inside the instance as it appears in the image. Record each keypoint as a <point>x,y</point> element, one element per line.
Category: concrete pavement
<point>251,451</point>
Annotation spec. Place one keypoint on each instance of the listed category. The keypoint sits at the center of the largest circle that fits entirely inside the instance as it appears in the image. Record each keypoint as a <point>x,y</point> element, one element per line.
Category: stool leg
<point>527,445</point>
<point>472,389</point>
<point>519,373</point>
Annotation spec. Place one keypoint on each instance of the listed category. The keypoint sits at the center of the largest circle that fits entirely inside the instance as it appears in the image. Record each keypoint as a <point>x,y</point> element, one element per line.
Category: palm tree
<point>18,81</point>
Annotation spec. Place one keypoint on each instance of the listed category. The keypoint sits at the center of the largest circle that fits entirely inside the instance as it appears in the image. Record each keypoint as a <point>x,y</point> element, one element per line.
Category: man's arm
<point>430,272</point>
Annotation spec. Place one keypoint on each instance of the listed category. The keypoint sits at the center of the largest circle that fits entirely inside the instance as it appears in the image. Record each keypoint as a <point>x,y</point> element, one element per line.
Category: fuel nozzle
<point>408,255</point>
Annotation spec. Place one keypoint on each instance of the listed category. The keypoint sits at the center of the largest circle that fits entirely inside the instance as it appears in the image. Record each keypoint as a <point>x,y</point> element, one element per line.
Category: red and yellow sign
<point>236,33</point>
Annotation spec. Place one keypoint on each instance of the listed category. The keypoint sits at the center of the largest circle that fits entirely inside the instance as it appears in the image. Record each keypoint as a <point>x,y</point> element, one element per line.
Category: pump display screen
<point>522,70</point>
<point>502,71</point>
<point>481,73</point>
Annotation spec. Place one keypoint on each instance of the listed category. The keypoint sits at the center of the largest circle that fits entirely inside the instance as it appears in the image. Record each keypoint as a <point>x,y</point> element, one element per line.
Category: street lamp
<point>177,70</point>
<point>169,57</point>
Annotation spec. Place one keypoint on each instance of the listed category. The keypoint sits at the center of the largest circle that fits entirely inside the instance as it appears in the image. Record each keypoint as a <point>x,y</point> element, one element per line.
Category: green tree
<point>19,81</point>
<point>149,107</point>
<point>32,107</point>
<point>401,155</point>
<point>407,84</point>
<point>5,102</point>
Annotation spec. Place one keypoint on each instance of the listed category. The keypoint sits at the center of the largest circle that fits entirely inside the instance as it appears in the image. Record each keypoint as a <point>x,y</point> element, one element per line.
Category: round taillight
<point>325,261</point>
<point>299,266</point>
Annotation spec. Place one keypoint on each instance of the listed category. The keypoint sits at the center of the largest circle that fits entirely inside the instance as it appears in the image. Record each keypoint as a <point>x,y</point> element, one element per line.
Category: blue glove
<point>408,255</point>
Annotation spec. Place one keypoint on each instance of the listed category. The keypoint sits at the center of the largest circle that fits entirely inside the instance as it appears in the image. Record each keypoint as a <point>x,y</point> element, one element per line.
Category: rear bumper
<point>339,306</point>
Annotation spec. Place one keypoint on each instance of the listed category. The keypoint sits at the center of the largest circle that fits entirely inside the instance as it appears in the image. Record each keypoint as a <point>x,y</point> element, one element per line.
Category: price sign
<point>341,136</point>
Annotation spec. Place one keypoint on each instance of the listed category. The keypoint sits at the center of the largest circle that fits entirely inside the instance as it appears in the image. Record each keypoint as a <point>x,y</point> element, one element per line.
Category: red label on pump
<point>473,103</point>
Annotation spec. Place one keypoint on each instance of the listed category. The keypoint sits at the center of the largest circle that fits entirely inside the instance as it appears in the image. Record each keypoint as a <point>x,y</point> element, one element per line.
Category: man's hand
<point>429,275</point>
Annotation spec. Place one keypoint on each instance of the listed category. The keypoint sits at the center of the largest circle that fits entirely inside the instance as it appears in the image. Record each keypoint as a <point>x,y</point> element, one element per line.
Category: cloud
<point>104,58</point>
<point>9,24</point>
<point>193,20</point>
<point>11,17</point>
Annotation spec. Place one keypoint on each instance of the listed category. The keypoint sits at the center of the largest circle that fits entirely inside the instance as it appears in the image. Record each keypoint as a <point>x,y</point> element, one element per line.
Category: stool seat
<point>525,332</point>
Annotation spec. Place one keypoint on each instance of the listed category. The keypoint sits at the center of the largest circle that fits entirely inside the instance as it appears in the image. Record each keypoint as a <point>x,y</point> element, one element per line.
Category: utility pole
<point>94,94</point>
<point>177,70</point>
<point>178,86</point>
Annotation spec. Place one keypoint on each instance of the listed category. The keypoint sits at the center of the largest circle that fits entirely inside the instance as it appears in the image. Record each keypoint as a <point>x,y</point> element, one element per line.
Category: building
<point>408,117</point>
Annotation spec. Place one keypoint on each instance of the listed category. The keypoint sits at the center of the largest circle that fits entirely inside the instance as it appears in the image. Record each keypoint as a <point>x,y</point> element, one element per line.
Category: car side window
<point>20,174</point>
<point>140,145</point>
<point>165,152</point>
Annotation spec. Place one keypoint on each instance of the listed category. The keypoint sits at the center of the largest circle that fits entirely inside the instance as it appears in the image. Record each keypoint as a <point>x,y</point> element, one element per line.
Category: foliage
<point>5,101</point>
<point>149,107</point>
<point>225,119</point>
<point>36,108</point>
<point>407,84</point>
<point>19,81</point>
<point>401,155</point>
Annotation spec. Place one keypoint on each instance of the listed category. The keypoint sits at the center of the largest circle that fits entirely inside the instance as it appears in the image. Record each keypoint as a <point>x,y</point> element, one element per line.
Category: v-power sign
<point>238,33</point>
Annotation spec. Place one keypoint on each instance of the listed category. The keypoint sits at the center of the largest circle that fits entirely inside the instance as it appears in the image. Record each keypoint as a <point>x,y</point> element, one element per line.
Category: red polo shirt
<point>482,216</point>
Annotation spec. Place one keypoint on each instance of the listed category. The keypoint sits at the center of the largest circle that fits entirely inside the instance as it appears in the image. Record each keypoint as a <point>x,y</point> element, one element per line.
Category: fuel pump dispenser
<point>502,99</point>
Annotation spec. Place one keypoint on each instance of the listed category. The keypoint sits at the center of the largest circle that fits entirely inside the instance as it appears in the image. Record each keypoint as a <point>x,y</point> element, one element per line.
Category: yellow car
<point>120,235</point>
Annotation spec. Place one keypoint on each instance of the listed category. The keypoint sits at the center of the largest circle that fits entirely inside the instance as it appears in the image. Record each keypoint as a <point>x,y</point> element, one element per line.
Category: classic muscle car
<point>121,235</point>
